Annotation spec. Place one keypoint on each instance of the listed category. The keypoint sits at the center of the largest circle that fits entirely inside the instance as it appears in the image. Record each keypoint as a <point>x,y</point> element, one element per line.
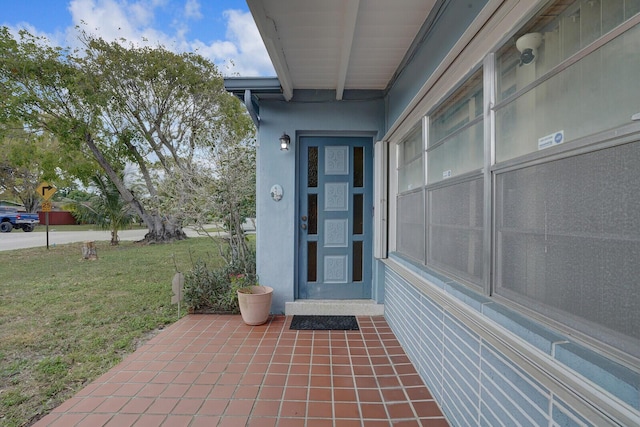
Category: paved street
<point>18,239</point>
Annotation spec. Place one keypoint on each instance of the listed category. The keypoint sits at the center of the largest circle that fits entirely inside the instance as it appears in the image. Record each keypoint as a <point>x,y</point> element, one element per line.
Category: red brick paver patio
<point>213,370</point>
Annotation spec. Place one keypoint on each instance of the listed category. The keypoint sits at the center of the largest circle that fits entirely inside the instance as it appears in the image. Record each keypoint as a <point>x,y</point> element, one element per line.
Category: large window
<point>542,103</point>
<point>451,200</point>
<point>566,220</point>
<point>455,184</point>
<point>563,238</point>
<point>410,230</point>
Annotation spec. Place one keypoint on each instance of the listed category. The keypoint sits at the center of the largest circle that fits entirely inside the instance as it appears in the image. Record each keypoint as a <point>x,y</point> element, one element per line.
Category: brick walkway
<point>213,370</point>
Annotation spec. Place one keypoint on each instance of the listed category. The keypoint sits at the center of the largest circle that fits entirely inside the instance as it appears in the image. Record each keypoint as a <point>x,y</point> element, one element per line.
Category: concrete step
<point>334,308</point>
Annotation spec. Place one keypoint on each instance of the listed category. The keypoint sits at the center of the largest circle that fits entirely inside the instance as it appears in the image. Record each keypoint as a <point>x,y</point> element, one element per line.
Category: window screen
<point>568,241</point>
<point>410,236</point>
<point>455,229</point>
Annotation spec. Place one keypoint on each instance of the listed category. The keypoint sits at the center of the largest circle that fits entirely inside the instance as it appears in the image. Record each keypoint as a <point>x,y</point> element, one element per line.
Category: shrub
<point>215,289</point>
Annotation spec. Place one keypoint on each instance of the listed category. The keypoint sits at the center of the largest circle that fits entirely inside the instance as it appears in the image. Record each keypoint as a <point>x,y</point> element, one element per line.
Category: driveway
<point>18,239</point>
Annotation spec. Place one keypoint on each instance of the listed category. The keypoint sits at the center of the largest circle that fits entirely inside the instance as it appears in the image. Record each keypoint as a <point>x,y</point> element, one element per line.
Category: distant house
<point>471,170</point>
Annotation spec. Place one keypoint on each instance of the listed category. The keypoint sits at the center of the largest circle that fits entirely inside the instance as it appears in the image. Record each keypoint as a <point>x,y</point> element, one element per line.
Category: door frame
<point>298,153</point>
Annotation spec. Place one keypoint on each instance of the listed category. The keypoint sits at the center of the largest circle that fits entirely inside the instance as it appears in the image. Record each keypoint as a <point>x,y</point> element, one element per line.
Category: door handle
<point>304,217</point>
<point>304,226</point>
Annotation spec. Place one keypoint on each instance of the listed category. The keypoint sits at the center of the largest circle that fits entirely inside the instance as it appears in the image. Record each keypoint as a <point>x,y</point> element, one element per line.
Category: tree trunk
<point>30,203</point>
<point>115,240</point>
<point>237,239</point>
<point>89,251</point>
<point>163,231</point>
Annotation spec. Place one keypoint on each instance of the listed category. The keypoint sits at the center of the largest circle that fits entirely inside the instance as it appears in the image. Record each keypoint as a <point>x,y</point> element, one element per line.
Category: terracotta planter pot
<point>255,304</point>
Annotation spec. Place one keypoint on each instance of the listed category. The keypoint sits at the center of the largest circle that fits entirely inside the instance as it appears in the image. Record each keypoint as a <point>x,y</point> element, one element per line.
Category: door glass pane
<point>313,213</point>
<point>357,214</point>
<point>357,261</point>
<point>312,264</point>
<point>358,167</point>
<point>313,166</point>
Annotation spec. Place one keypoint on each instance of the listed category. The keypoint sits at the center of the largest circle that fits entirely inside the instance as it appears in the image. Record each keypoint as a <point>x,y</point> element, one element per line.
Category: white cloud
<point>243,53</point>
<point>192,10</point>
<point>116,20</point>
<point>135,21</point>
<point>252,58</point>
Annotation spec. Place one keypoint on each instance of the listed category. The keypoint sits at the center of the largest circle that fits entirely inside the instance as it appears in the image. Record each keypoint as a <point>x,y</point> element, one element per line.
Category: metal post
<point>46,221</point>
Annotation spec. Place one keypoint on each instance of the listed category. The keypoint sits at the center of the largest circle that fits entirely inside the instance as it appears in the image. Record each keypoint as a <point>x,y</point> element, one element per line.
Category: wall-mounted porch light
<point>285,141</point>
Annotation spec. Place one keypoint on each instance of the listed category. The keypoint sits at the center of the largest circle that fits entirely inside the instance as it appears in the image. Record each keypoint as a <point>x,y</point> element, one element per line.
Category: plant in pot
<point>254,300</point>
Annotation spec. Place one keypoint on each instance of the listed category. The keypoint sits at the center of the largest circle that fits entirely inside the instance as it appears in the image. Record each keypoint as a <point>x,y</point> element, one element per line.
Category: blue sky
<point>221,30</point>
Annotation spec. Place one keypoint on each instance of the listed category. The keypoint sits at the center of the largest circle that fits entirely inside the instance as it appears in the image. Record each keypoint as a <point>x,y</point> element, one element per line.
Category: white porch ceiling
<point>338,44</point>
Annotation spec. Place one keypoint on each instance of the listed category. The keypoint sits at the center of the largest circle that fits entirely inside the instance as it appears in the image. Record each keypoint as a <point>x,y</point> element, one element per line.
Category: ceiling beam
<point>350,18</point>
<point>251,108</point>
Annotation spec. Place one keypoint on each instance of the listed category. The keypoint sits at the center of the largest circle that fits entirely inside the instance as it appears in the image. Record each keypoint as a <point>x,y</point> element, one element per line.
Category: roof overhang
<point>250,90</point>
<point>339,45</point>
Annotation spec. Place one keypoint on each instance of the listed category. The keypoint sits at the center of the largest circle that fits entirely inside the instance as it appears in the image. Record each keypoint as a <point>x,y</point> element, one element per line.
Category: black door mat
<point>324,323</point>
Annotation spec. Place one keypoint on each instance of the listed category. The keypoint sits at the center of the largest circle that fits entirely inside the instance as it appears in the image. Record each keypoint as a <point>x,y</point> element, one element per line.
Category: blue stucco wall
<point>276,221</point>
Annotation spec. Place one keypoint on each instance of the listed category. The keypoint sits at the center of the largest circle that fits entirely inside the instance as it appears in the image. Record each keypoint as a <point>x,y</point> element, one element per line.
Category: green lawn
<point>64,321</point>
